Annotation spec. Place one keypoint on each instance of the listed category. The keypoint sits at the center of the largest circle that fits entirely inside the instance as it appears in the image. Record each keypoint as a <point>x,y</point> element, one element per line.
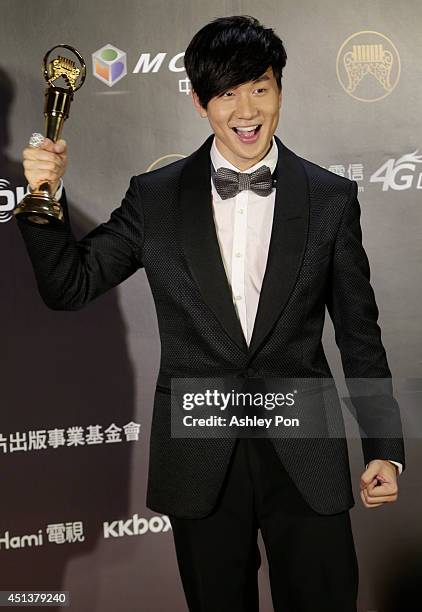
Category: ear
<point>201,110</point>
<point>280,97</point>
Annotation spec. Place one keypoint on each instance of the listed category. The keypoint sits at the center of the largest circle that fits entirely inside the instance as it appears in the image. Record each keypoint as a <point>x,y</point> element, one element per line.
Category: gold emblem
<point>62,66</point>
<point>368,66</point>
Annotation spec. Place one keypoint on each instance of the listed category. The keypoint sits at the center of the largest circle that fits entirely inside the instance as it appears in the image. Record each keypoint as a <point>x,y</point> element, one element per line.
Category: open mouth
<point>249,134</point>
<point>249,130</point>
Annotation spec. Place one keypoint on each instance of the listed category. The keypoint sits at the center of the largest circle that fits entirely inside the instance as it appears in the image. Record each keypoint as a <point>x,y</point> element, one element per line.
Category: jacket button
<point>250,372</point>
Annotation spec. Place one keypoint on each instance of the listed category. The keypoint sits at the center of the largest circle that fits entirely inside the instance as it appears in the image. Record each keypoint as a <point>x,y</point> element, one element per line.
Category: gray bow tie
<point>229,183</point>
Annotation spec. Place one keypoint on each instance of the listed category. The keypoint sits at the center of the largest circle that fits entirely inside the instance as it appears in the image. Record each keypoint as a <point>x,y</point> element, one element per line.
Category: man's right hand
<point>45,163</point>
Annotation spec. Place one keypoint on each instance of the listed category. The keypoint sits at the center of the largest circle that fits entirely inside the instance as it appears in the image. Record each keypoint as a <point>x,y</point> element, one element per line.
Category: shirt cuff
<point>399,465</point>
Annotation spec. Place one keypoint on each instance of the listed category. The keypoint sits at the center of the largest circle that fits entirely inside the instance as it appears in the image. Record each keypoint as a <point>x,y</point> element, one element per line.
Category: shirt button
<point>241,211</point>
<point>238,297</point>
<point>238,254</point>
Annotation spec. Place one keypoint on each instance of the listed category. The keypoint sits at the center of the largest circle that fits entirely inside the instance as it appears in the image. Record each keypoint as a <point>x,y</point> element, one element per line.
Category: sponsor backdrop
<point>77,387</point>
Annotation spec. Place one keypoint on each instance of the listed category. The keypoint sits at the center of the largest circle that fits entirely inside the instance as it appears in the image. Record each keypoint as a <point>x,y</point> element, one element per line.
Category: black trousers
<point>311,557</point>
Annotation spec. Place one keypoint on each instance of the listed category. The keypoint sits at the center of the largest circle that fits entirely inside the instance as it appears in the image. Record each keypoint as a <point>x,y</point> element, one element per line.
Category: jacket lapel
<point>200,242</point>
<point>286,250</point>
<point>287,244</point>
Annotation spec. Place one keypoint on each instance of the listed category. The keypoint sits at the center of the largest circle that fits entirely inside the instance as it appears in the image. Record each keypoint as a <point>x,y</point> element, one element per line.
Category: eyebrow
<point>263,77</point>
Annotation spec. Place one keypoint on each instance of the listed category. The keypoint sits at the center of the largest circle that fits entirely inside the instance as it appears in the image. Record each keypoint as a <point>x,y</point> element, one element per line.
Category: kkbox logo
<point>399,174</point>
<point>8,199</point>
<point>137,525</point>
<point>109,64</point>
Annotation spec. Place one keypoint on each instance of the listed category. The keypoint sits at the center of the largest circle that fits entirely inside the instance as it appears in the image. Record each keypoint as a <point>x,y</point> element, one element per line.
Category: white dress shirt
<point>243,226</point>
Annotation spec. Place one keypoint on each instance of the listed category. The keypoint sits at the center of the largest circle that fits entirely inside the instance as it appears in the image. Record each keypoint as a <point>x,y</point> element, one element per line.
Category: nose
<point>245,108</point>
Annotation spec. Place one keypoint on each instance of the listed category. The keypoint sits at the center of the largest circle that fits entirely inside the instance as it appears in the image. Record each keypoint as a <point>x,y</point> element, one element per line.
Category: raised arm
<point>71,273</point>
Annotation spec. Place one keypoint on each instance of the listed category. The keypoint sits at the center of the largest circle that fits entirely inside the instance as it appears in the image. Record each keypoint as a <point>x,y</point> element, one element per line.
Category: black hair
<point>230,51</point>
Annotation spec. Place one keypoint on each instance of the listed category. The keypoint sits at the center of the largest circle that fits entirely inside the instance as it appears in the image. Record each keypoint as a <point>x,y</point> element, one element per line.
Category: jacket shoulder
<point>160,176</point>
<point>321,178</point>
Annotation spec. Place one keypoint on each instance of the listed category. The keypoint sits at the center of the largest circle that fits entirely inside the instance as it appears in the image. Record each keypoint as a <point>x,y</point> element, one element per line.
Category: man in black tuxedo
<point>244,245</point>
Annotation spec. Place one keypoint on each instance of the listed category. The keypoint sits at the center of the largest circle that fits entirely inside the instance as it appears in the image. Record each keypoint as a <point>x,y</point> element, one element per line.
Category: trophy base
<point>39,209</point>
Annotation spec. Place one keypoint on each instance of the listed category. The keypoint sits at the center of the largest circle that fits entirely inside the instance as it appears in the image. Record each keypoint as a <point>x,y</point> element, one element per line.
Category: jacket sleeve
<point>352,307</point>
<point>71,273</point>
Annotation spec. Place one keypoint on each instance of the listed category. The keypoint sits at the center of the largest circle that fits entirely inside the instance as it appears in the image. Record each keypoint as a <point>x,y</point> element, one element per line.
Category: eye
<point>261,89</point>
<point>226,93</point>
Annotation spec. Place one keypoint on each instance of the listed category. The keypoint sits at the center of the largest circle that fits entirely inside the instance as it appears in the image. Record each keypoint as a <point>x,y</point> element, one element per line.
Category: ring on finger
<point>36,140</point>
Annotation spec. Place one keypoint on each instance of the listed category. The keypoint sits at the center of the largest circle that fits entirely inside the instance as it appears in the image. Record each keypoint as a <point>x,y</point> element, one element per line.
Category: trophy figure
<point>39,206</point>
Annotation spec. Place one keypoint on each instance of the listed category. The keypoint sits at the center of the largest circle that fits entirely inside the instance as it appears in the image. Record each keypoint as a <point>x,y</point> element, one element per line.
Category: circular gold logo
<point>164,160</point>
<point>368,66</point>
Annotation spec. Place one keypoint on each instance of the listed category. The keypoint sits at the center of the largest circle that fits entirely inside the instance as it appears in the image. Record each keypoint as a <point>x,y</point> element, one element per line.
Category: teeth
<point>248,129</point>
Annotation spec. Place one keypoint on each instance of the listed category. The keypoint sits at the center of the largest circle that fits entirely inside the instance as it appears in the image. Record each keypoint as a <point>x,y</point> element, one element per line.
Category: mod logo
<point>109,64</point>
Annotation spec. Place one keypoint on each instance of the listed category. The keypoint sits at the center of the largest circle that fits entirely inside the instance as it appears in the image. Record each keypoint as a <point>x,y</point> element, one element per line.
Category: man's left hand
<point>378,483</point>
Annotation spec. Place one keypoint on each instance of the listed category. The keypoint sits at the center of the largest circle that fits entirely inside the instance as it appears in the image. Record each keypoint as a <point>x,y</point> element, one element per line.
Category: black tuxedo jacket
<point>316,259</point>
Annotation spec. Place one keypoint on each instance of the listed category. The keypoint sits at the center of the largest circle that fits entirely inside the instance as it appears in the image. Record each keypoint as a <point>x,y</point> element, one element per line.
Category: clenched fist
<point>378,483</point>
<point>45,163</point>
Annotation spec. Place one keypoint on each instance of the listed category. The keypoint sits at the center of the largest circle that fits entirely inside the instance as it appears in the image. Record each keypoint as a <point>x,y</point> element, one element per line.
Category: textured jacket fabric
<point>316,260</point>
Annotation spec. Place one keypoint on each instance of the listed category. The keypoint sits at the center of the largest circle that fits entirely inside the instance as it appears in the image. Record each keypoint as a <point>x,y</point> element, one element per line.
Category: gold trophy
<point>40,207</point>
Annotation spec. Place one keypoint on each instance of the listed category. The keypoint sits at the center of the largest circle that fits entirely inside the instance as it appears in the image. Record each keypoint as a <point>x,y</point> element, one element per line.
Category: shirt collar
<point>269,160</point>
